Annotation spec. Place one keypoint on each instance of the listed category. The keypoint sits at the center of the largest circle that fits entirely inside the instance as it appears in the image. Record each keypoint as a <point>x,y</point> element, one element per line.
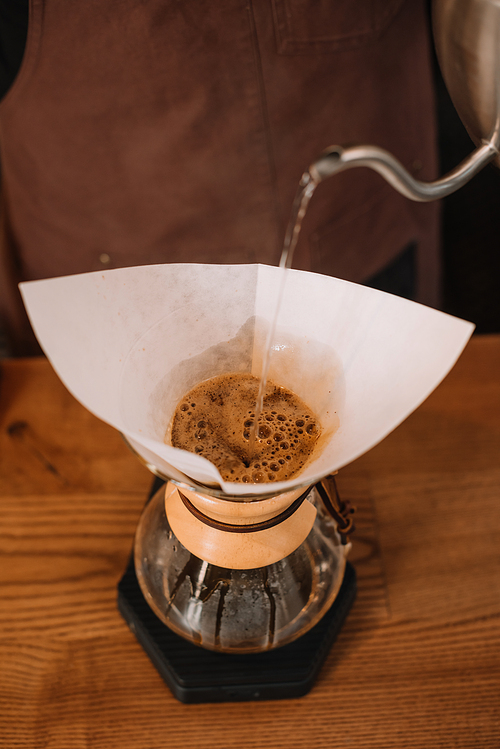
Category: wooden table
<point>416,665</point>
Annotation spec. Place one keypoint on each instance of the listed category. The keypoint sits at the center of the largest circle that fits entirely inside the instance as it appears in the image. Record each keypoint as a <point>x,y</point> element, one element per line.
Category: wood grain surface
<point>416,665</point>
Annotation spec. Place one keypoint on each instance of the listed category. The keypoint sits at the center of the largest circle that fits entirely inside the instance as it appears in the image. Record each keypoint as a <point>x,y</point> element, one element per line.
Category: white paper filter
<point>129,343</point>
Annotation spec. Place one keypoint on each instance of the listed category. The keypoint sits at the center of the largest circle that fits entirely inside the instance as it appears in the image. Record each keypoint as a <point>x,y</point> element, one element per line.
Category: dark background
<point>470,227</point>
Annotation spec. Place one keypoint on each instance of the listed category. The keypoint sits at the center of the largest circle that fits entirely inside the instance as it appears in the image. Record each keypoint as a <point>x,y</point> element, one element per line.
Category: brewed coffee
<point>215,420</point>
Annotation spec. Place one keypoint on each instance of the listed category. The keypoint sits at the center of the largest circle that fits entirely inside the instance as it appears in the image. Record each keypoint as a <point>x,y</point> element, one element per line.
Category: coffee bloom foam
<point>215,420</point>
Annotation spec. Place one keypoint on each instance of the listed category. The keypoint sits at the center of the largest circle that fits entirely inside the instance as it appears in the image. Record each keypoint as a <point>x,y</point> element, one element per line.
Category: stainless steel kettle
<point>467,39</point>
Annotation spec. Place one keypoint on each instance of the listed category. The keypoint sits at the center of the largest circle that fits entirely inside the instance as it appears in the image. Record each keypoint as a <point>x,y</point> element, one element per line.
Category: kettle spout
<point>337,159</point>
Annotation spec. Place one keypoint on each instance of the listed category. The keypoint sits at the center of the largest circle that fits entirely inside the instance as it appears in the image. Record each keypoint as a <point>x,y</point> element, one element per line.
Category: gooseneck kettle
<point>467,40</point>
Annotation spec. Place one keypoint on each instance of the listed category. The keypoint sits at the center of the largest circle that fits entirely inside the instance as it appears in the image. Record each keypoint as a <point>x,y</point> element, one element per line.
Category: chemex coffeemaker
<point>237,589</point>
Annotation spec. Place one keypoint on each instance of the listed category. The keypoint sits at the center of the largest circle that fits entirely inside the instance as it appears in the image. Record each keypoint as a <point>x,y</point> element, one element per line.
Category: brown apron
<point>163,131</point>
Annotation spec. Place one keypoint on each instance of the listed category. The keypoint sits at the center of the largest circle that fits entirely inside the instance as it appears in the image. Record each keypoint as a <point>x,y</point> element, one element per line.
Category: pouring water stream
<point>305,191</point>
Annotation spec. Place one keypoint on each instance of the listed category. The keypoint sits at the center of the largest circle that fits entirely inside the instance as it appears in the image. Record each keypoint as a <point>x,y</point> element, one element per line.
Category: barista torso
<point>177,132</point>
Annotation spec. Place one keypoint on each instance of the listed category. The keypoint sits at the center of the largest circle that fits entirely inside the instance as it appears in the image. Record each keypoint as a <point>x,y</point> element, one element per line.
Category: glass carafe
<point>192,576</point>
